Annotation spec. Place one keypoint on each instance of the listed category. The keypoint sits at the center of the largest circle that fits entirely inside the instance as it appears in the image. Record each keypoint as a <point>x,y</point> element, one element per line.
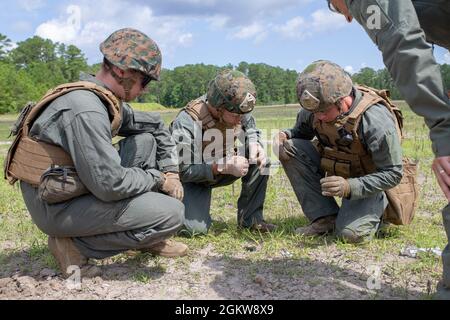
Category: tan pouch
<point>404,198</point>
<point>60,184</point>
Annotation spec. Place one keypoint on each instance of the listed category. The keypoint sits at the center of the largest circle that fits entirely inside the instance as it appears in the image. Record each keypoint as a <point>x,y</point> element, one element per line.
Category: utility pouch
<point>403,198</point>
<point>60,184</point>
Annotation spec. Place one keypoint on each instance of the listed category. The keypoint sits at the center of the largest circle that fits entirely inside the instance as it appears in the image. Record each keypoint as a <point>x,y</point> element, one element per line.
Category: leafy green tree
<point>34,50</point>
<point>73,61</point>
<point>5,43</point>
<point>17,88</point>
<point>445,70</point>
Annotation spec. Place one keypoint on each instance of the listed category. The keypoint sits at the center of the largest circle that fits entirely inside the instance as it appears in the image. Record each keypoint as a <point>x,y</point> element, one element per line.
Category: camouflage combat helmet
<point>131,49</point>
<point>233,91</point>
<point>322,84</point>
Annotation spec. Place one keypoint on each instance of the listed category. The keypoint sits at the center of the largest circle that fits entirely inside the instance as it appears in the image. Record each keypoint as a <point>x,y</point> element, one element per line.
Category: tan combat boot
<point>67,254</point>
<point>319,227</point>
<point>263,227</point>
<point>167,248</point>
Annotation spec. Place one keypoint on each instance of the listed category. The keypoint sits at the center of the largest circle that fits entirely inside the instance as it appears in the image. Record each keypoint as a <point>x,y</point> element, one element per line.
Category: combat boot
<point>263,227</point>
<point>319,227</point>
<point>67,255</point>
<point>167,248</point>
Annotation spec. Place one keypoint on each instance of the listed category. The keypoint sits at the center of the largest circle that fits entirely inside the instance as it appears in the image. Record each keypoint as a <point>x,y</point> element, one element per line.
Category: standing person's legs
<point>444,288</point>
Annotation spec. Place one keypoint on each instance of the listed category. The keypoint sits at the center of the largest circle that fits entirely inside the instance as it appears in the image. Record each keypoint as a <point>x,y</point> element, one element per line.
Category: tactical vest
<point>28,158</point>
<point>351,160</point>
<point>198,110</point>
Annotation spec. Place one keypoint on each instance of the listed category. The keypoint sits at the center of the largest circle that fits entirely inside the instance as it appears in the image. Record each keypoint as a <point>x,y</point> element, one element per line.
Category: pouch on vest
<point>60,184</point>
<point>28,158</point>
<point>403,198</point>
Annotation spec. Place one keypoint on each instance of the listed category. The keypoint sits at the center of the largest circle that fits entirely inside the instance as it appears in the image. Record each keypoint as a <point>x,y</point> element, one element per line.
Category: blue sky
<point>285,33</point>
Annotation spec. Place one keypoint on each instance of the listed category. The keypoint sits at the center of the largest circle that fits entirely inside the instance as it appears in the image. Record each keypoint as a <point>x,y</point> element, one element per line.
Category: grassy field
<point>283,254</point>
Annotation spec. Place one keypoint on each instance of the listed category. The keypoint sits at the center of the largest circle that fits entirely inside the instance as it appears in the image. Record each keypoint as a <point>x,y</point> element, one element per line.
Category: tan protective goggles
<point>309,102</point>
<point>248,104</point>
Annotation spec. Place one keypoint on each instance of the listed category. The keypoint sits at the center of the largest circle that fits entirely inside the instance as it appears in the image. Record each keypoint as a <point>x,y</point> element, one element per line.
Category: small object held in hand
<point>236,166</point>
<point>335,186</point>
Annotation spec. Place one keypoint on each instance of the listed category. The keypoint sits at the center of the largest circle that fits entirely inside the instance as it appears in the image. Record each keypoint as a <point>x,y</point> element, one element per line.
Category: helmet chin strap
<point>223,122</point>
<point>126,83</point>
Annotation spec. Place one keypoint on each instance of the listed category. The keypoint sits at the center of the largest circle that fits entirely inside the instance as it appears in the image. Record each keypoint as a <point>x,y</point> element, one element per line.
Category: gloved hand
<point>278,146</point>
<point>172,186</point>
<point>236,166</point>
<point>335,186</point>
<point>257,155</point>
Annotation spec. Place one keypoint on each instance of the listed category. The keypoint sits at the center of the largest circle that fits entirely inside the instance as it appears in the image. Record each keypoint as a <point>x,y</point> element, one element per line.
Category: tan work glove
<point>257,155</point>
<point>172,186</point>
<point>236,166</point>
<point>335,186</point>
<point>278,146</point>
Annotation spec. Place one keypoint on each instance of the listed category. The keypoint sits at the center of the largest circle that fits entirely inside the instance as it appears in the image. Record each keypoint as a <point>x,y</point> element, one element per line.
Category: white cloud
<point>62,30</point>
<point>325,20</point>
<point>256,32</point>
<point>447,57</point>
<point>238,13</point>
<point>31,5</point>
<point>84,27</point>
<point>218,21</point>
<point>349,69</point>
<point>320,21</point>
<point>185,39</point>
<point>294,28</point>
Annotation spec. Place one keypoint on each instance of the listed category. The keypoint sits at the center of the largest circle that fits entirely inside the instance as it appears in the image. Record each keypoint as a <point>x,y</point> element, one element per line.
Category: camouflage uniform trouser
<point>197,200</point>
<point>360,218</point>
<point>103,229</point>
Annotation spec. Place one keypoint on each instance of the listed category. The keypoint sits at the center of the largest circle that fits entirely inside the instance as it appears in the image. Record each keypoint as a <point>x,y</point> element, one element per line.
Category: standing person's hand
<point>441,168</point>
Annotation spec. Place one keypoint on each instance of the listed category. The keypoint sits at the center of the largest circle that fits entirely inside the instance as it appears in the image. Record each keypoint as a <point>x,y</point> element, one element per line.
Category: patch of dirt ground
<point>325,274</point>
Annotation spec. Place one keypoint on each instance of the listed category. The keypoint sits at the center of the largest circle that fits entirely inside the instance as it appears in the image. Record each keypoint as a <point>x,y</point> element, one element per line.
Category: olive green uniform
<point>361,214</point>
<point>406,26</point>
<point>124,210</point>
<point>198,179</point>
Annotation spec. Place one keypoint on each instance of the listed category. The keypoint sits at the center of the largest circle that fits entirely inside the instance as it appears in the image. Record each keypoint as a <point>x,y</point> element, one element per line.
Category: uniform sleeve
<point>410,61</point>
<point>252,134</point>
<point>188,136</point>
<point>382,142</point>
<point>88,140</point>
<point>136,122</point>
<point>303,128</point>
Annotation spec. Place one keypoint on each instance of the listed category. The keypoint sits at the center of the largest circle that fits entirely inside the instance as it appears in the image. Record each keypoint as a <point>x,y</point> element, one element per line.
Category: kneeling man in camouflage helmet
<point>355,154</point>
<point>207,132</point>
<point>92,200</point>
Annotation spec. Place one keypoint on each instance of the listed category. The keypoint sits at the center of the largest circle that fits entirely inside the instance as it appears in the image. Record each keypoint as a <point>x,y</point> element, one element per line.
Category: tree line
<point>35,65</point>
